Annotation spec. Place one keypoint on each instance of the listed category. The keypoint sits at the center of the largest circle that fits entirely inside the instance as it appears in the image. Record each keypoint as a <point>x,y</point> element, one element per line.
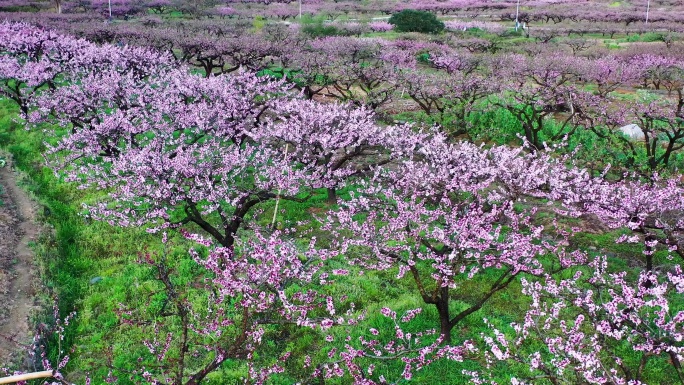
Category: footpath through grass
<point>60,254</point>
<point>73,254</point>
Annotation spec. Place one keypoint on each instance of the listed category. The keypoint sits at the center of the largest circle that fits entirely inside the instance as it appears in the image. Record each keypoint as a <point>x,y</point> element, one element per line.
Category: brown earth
<point>18,228</point>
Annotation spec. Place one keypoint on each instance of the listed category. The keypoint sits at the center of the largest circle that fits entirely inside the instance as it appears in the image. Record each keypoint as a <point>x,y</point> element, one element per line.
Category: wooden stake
<point>275,211</point>
<point>25,377</point>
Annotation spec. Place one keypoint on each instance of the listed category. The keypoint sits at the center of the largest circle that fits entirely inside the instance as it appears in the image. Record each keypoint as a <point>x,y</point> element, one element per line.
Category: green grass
<point>647,37</point>
<point>74,251</point>
<point>60,254</point>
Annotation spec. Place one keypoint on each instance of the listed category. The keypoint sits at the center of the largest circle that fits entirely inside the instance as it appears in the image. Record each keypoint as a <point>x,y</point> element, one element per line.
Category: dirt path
<point>17,229</point>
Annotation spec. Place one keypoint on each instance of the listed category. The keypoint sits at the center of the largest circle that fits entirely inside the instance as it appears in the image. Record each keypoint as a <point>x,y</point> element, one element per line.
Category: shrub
<point>648,37</point>
<point>380,26</point>
<point>416,21</point>
<point>351,29</point>
<point>424,58</point>
<point>320,30</point>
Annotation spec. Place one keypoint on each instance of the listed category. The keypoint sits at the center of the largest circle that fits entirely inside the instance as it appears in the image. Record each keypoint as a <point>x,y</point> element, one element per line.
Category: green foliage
<point>423,58</point>
<point>496,126</point>
<point>280,72</point>
<point>316,26</point>
<point>20,8</point>
<point>258,23</point>
<point>410,20</point>
<point>648,37</point>
<point>320,30</point>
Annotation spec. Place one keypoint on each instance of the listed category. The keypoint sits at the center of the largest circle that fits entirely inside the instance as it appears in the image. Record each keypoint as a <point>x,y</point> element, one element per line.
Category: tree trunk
<point>444,319</point>
<point>332,196</point>
<point>649,255</point>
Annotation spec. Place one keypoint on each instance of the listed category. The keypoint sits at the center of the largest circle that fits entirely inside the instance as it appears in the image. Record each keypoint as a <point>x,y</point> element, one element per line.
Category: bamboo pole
<point>25,377</point>
<point>275,211</point>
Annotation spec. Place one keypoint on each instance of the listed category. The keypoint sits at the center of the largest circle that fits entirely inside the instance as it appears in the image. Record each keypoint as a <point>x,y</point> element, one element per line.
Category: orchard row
<point>553,91</point>
<point>175,151</point>
<point>546,11</point>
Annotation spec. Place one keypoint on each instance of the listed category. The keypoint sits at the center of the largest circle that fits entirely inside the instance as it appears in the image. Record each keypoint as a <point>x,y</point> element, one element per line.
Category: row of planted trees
<point>204,156</point>
<point>533,11</point>
<point>457,82</point>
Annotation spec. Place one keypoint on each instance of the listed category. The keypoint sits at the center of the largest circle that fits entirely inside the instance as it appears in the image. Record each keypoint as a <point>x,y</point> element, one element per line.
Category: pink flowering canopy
<point>335,142</point>
<point>596,327</point>
<point>442,221</point>
<point>172,149</point>
<point>263,280</point>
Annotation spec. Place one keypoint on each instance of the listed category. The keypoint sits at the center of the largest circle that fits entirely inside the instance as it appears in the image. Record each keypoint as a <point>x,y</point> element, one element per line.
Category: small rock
<point>633,131</point>
<point>95,280</point>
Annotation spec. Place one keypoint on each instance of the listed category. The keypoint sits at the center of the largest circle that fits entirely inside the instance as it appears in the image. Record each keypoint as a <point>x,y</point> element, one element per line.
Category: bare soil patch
<point>18,229</point>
